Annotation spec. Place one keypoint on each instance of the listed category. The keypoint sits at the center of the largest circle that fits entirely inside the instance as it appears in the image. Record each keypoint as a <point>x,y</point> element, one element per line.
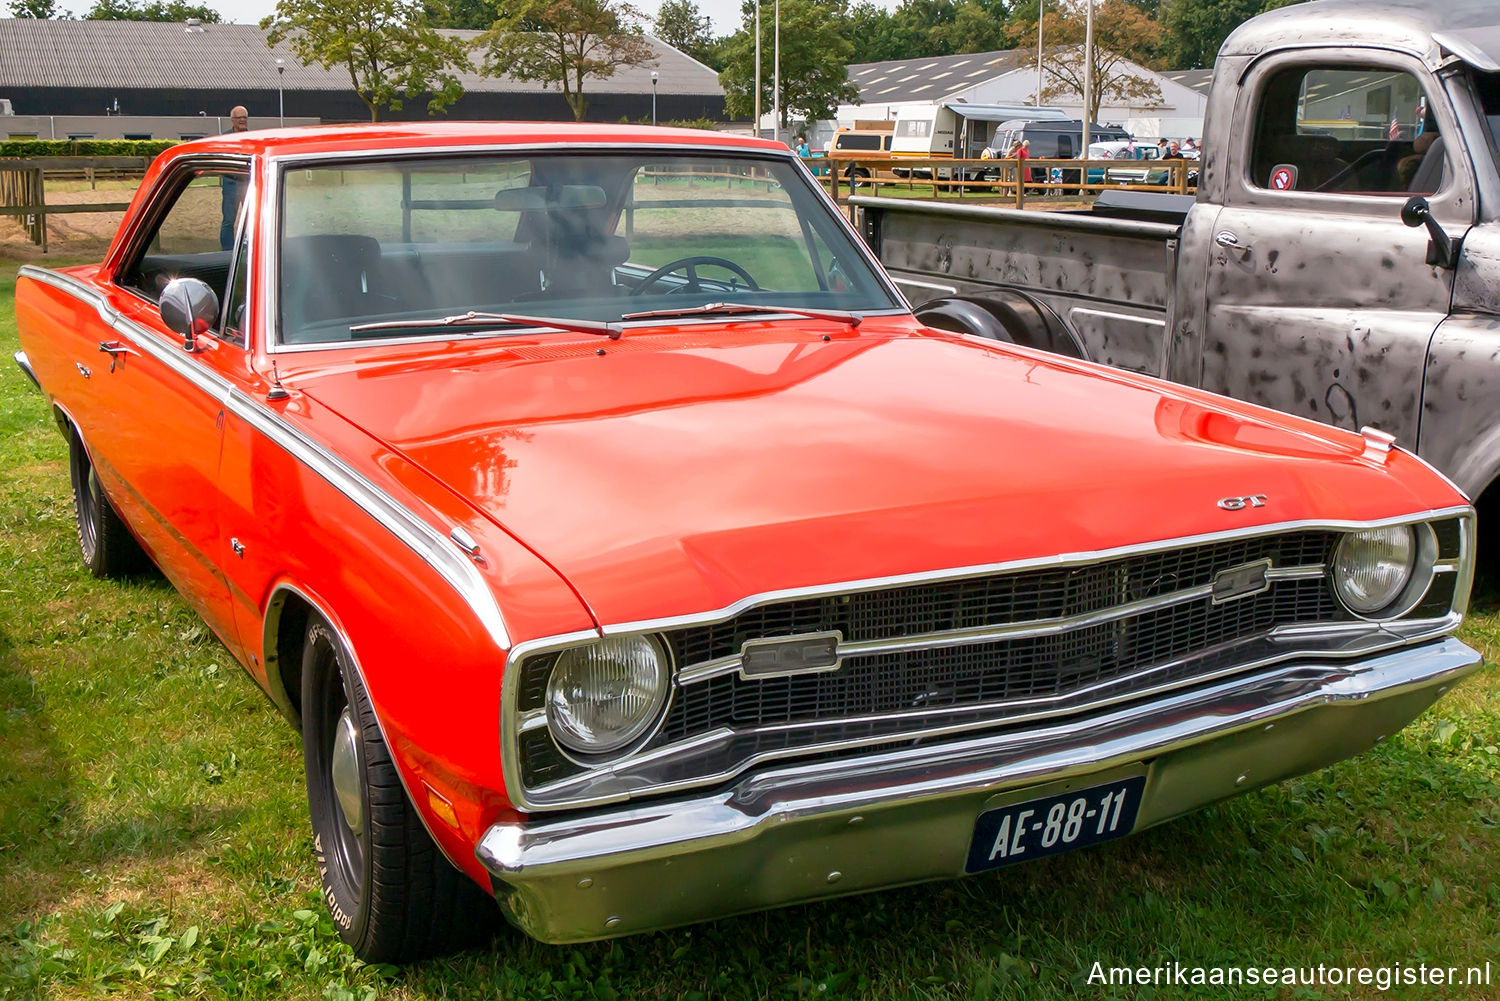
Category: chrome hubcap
<point>345,772</point>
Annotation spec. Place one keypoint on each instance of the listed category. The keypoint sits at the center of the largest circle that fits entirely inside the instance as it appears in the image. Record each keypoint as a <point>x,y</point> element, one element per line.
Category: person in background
<point>231,189</point>
<point>803,150</point>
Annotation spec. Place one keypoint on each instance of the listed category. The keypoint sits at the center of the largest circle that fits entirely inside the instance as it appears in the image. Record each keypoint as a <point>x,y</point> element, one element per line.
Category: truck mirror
<point>188,307</point>
<point>1442,249</point>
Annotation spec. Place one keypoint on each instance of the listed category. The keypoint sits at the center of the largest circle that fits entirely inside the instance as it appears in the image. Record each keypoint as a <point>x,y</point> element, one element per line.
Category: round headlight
<point>604,695</point>
<point>1372,568</point>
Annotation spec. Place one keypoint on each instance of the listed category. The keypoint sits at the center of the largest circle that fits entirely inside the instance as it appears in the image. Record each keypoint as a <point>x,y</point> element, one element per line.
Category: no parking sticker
<point>1283,177</point>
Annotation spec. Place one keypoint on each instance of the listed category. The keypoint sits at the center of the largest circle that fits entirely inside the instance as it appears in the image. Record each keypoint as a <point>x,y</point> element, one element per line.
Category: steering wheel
<point>692,264</point>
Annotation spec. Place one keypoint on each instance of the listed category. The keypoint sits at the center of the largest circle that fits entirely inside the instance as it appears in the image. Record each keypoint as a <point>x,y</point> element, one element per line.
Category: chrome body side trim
<point>604,785</point>
<point>433,547</point>
<point>24,364</point>
<point>833,827</point>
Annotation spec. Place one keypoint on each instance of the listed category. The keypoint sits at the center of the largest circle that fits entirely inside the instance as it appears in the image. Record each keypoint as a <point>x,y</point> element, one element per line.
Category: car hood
<point>670,474</point>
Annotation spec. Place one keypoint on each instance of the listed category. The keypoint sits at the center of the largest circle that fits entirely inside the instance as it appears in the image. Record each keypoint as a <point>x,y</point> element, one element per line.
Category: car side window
<point>1347,130</point>
<point>234,306</point>
<point>192,238</point>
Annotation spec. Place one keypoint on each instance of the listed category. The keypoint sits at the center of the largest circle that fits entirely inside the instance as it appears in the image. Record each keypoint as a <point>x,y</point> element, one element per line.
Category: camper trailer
<point>954,129</point>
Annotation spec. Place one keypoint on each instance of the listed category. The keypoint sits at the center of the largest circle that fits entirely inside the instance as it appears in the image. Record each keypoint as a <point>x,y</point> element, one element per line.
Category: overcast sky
<point>725,14</point>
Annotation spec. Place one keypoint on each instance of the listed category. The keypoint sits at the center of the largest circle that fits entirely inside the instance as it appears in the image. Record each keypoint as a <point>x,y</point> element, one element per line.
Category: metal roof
<point>176,56</point>
<point>1199,80</point>
<point>1006,112</point>
<point>1429,29</point>
<point>933,78</point>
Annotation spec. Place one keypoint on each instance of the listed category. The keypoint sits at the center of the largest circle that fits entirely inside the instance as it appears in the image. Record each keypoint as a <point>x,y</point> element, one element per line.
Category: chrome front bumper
<point>25,366</point>
<point>830,828</point>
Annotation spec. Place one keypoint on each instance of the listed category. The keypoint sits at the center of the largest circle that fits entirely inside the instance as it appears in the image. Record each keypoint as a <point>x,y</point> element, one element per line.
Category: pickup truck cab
<point>1304,275</point>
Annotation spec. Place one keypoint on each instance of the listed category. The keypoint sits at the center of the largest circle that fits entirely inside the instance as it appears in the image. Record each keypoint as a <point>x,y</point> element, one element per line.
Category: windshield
<point>387,247</point>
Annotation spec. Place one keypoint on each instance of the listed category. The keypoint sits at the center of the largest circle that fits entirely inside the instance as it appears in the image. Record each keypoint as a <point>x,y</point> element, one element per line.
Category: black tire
<point>108,548</point>
<point>392,894</point>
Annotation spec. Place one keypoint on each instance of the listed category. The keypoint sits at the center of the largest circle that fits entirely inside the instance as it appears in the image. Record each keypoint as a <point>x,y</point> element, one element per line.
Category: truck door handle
<point>1229,241</point>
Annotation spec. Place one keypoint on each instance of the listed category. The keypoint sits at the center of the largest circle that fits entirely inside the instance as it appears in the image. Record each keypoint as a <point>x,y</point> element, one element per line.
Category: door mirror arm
<point>1442,249</point>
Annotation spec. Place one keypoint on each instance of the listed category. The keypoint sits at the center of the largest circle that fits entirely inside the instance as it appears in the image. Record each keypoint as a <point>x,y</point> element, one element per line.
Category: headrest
<point>348,250</point>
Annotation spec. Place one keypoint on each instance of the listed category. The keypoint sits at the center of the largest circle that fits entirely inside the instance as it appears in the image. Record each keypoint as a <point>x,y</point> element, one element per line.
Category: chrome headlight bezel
<point>569,735</point>
<point>1405,595</point>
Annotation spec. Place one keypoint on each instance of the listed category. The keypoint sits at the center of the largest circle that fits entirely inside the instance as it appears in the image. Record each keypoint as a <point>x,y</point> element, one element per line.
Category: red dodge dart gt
<point>627,552</point>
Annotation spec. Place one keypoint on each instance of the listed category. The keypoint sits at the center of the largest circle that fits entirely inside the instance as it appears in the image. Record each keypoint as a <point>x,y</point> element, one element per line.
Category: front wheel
<point>392,894</point>
<point>107,547</point>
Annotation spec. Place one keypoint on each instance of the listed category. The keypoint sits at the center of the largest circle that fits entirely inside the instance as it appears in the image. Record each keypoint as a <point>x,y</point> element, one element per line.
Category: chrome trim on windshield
<point>421,538</point>
<point>271,210</point>
<point>1350,639</point>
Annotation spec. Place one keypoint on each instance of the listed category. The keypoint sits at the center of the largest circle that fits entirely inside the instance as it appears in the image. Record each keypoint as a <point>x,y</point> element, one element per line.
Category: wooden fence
<point>23,190</point>
<point>1000,179</point>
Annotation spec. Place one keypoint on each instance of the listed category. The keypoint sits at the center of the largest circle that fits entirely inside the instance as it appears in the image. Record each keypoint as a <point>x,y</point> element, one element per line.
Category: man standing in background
<point>231,188</point>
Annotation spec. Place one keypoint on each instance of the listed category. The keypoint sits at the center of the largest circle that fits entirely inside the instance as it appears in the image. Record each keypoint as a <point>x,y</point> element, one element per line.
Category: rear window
<point>853,141</point>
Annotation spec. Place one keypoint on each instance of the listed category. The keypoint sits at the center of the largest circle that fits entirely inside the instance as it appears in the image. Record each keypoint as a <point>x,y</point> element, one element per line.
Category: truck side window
<point>187,241</point>
<point>1354,131</point>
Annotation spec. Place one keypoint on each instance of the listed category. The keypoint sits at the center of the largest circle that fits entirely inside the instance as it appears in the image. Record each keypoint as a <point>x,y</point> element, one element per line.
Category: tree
<point>1119,28</point>
<point>389,47</point>
<point>156,10</point>
<point>565,42</point>
<point>683,26</point>
<point>815,48</point>
<point>40,10</point>
<point>1194,29</point>
<point>474,15</point>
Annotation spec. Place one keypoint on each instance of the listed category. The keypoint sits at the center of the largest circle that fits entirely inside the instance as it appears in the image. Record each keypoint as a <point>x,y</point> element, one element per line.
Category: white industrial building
<point>1009,77</point>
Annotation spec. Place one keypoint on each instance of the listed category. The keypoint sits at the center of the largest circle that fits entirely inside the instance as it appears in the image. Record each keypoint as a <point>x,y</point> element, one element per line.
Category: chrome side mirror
<point>188,307</point>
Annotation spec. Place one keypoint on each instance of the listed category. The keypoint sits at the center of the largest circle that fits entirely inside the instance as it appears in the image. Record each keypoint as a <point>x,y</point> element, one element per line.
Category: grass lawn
<point>154,839</point>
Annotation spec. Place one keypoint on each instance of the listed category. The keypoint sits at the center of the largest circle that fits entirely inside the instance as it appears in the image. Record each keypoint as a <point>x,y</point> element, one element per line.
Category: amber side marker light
<point>441,807</point>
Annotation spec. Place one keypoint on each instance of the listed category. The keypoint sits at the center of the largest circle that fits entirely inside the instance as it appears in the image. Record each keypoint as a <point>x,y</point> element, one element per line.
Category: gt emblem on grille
<point>1240,503</point>
<point>779,656</point>
<point>1241,582</point>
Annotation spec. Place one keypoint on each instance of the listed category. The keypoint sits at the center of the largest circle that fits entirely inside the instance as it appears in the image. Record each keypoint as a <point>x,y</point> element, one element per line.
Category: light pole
<point>1041,4</point>
<point>1088,74</point>
<point>281,91</point>
<point>654,75</point>
<point>776,78</point>
<point>757,69</point>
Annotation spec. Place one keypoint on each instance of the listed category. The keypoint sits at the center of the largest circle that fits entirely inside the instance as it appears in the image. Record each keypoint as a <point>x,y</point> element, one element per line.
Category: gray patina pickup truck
<point>1340,261</point>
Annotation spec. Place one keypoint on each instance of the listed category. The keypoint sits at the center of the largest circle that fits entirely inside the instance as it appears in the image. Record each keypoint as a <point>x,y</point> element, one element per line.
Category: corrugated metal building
<point>156,68</point>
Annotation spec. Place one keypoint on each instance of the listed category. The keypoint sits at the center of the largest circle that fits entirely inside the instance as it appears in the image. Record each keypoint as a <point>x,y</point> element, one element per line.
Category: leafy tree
<point>1119,28</point>
<point>475,15</point>
<point>877,36</point>
<point>977,26</point>
<point>1194,29</point>
<point>40,10</point>
<point>815,48</point>
<point>389,47</point>
<point>156,10</point>
<point>565,42</point>
<point>683,26</point>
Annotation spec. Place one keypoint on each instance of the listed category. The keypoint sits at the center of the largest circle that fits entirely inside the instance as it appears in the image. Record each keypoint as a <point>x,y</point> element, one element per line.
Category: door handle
<point>116,351</point>
<point>1229,241</point>
<point>82,369</point>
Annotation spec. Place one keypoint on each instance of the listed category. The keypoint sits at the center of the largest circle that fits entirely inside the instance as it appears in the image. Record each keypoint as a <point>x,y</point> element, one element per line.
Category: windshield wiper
<point>710,308</point>
<point>473,319</point>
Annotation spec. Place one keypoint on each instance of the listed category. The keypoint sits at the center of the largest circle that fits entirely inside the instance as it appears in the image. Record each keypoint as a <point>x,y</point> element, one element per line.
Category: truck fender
<point>1002,315</point>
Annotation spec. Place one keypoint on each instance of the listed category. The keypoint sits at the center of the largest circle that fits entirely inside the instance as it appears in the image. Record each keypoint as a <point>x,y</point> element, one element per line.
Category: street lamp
<point>654,75</point>
<point>280,91</point>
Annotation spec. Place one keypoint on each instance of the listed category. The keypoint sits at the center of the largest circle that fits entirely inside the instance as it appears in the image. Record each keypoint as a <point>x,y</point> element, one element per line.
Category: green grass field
<point>154,839</point>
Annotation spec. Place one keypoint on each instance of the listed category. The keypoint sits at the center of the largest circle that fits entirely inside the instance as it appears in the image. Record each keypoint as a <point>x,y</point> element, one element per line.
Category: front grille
<point>993,680</point>
<point>1016,670</point>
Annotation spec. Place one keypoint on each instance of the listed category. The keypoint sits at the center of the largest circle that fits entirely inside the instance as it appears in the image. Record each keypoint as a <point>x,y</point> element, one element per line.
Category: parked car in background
<point>861,145</point>
<point>1133,156</point>
<point>626,550</point>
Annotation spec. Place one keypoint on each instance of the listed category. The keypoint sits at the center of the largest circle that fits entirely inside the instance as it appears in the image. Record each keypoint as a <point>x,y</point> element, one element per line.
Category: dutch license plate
<point>1055,824</point>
